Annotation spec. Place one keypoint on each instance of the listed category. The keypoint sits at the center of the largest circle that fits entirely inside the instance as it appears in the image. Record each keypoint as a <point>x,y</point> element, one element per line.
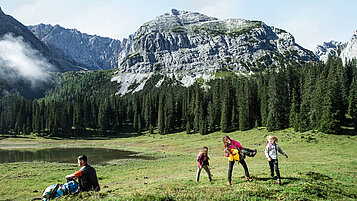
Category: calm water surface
<point>66,155</point>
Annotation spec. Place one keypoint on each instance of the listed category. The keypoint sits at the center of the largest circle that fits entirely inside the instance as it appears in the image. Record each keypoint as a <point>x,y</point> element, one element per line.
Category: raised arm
<point>280,150</point>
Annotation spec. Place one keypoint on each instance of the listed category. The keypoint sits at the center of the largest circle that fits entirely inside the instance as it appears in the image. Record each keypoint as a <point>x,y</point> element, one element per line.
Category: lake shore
<point>319,167</point>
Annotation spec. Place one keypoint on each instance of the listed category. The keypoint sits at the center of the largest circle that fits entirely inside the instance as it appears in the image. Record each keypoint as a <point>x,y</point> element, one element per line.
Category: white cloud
<point>19,60</point>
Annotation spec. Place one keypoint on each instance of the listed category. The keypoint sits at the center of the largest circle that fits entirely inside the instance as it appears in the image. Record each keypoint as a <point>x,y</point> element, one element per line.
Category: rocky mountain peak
<point>172,20</point>
<point>327,49</point>
<point>354,36</point>
<point>350,50</point>
<point>175,12</point>
<point>87,51</point>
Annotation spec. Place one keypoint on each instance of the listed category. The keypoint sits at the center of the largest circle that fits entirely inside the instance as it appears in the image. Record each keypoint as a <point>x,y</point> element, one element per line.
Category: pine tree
<point>306,97</point>
<point>294,113</point>
<point>161,116</point>
<point>273,115</point>
<point>169,112</point>
<point>352,102</point>
<point>148,112</point>
<point>211,116</point>
<point>278,116</point>
<point>262,99</point>
<point>103,116</point>
<point>226,112</point>
<point>331,105</point>
<point>202,118</point>
<point>198,104</point>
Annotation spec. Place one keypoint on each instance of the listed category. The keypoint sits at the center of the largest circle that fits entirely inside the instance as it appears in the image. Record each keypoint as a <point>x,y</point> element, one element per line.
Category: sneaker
<point>254,152</point>
<point>249,179</point>
<point>229,183</point>
<point>279,182</point>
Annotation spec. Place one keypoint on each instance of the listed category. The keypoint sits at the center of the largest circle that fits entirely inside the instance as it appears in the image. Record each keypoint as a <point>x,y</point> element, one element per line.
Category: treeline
<point>316,96</point>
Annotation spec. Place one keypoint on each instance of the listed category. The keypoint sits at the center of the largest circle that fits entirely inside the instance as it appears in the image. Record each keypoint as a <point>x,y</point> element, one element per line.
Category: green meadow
<point>320,167</point>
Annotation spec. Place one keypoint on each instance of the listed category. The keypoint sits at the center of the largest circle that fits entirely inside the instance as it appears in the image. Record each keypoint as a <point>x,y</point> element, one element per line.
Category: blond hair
<point>271,137</point>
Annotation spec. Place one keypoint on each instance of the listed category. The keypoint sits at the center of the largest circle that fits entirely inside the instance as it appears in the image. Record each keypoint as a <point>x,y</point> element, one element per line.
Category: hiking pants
<point>274,165</point>
<point>230,170</point>
<point>199,172</point>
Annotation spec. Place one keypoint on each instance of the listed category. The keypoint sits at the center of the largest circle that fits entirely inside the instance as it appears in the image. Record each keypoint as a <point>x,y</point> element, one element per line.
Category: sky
<point>311,22</point>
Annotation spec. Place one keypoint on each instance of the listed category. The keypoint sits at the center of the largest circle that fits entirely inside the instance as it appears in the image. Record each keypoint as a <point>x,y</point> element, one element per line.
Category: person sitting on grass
<point>271,152</point>
<point>202,159</point>
<point>87,176</point>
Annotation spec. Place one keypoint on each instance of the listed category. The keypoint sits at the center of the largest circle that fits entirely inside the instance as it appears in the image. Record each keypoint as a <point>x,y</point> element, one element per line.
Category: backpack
<point>52,192</point>
<point>57,190</point>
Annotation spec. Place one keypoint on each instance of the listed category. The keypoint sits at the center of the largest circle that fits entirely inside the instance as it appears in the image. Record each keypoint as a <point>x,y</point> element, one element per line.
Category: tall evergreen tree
<point>352,102</point>
<point>294,112</point>
<point>161,115</point>
<point>103,116</point>
<point>331,105</point>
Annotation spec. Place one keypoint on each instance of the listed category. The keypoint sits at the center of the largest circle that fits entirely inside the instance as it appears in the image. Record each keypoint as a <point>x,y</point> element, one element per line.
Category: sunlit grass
<point>319,167</point>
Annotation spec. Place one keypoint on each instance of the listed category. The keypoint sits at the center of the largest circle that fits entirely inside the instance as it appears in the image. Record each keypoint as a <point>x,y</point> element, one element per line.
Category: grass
<point>319,167</point>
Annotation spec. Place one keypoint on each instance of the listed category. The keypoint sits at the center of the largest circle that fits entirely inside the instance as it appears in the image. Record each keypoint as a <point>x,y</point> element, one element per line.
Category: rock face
<point>327,49</point>
<point>188,42</point>
<point>346,51</point>
<point>9,25</point>
<point>87,51</point>
<point>349,50</point>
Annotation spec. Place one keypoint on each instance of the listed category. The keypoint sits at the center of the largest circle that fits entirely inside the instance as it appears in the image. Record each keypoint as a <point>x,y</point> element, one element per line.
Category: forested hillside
<point>316,96</point>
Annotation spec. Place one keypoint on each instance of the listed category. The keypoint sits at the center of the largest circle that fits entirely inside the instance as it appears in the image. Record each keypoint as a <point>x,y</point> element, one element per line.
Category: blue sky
<point>311,22</point>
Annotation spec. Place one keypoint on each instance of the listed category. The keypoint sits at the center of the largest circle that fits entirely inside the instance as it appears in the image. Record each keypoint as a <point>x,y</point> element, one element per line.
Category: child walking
<point>271,152</point>
<point>202,159</point>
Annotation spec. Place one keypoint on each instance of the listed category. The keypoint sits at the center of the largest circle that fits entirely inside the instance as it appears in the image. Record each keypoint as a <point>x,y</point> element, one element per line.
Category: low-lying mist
<point>22,69</point>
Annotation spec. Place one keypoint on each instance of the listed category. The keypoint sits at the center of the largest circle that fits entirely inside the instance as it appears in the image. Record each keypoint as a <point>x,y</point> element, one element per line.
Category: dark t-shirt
<point>88,180</point>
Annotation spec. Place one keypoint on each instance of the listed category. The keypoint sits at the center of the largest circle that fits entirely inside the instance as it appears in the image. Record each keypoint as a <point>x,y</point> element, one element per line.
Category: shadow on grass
<point>274,178</point>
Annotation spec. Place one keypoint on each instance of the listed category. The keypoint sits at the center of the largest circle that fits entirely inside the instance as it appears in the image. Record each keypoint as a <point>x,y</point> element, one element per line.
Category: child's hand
<point>286,156</point>
<point>269,159</point>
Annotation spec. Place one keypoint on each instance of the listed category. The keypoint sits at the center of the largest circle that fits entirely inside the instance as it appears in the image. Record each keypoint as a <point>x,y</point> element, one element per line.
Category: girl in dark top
<point>202,160</point>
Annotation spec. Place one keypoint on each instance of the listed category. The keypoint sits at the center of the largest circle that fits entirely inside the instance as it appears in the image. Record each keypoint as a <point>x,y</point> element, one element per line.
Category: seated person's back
<point>87,176</point>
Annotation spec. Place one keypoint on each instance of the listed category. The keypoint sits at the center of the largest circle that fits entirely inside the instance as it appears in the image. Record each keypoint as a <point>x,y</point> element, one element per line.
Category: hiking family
<point>88,181</point>
<point>235,152</point>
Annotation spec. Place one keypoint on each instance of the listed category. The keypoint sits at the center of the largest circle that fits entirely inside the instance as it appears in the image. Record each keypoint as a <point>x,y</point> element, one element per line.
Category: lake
<point>66,155</point>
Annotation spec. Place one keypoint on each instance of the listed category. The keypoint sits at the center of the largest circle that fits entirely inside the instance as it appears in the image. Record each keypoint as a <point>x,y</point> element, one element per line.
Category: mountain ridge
<point>91,52</point>
<point>8,24</point>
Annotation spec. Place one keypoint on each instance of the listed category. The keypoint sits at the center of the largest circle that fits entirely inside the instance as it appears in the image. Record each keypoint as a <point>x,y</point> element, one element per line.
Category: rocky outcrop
<point>87,51</point>
<point>349,50</point>
<point>346,51</point>
<point>327,49</point>
<point>189,42</point>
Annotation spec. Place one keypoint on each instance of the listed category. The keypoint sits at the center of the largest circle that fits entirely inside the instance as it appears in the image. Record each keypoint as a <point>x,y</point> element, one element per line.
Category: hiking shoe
<point>279,182</point>
<point>229,183</point>
<point>249,179</point>
<point>254,152</point>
